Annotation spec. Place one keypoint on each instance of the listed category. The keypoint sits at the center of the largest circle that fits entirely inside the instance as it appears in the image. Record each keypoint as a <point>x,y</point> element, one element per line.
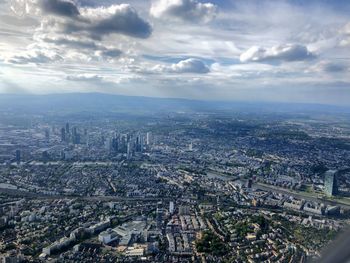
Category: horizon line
<point>177,98</point>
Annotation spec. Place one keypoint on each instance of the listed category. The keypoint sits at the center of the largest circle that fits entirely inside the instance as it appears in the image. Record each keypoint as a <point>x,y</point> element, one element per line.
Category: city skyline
<point>174,131</point>
<point>285,51</point>
<point>173,186</point>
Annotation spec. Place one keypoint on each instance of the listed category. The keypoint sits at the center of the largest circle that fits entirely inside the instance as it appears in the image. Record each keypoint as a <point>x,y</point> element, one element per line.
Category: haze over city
<point>185,131</point>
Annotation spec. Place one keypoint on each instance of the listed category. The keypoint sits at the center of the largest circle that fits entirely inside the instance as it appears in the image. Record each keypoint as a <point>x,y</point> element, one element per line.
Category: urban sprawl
<point>194,187</point>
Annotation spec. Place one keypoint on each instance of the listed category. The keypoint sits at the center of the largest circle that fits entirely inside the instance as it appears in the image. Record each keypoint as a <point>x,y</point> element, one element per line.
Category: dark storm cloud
<point>126,22</point>
<point>95,22</point>
<point>122,19</point>
<point>59,7</point>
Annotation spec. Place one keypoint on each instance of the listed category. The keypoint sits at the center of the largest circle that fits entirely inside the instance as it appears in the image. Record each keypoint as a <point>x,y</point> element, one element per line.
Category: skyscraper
<point>18,156</point>
<point>330,182</point>
<point>159,214</point>
<point>67,128</point>
<point>249,183</point>
<point>75,136</point>
<point>171,207</point>
<point>129,150</point>
<point>148,138</point>
<point>113,149</point>
<point>139,143</point>
<point>47,134</point>
<point>63,135</point>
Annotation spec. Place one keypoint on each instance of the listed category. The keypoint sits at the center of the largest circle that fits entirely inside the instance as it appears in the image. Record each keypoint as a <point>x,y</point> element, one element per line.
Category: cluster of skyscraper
<point>129,144</point>
<point>70,135</point>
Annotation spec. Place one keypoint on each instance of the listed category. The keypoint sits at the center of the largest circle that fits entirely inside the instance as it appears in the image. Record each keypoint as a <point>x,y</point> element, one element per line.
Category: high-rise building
<point>123,147</point>
<point>113,149</point>
<point>171,207</point>
<point>47,134</point>
<point>75,136</point>
<point>330,182</point>
<point>63,134</point>
<point>67,128</point>
<point>159,214</point>
<point>18,156</point>
<point>148,138</point>
<point>87,140</point>
<point>190,147</point>
<point>249,183</point>
<point>139,143</point>
<point>129,150</point>
<point>107,144</point>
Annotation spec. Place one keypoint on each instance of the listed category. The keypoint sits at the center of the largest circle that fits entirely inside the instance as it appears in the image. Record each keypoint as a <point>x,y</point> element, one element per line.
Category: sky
<point>256,50</point>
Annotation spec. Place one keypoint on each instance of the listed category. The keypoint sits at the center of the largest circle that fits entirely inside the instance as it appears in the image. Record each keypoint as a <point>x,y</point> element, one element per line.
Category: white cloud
<point>185,10</point>
<point>85,77</point>
<point>78,33</point>
<point>190,65</point>
<point>91,49</point>
<point>35,56</point>
<point>289,52</point>
<point>345,35</point>
<point>99,43</point>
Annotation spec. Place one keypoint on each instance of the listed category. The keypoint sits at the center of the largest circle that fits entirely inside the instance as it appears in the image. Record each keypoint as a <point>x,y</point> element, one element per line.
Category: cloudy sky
<point>256,50</point>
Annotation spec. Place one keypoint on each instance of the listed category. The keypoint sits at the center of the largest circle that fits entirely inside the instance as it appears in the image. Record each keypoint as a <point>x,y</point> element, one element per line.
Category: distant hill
<point>99,102</point>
